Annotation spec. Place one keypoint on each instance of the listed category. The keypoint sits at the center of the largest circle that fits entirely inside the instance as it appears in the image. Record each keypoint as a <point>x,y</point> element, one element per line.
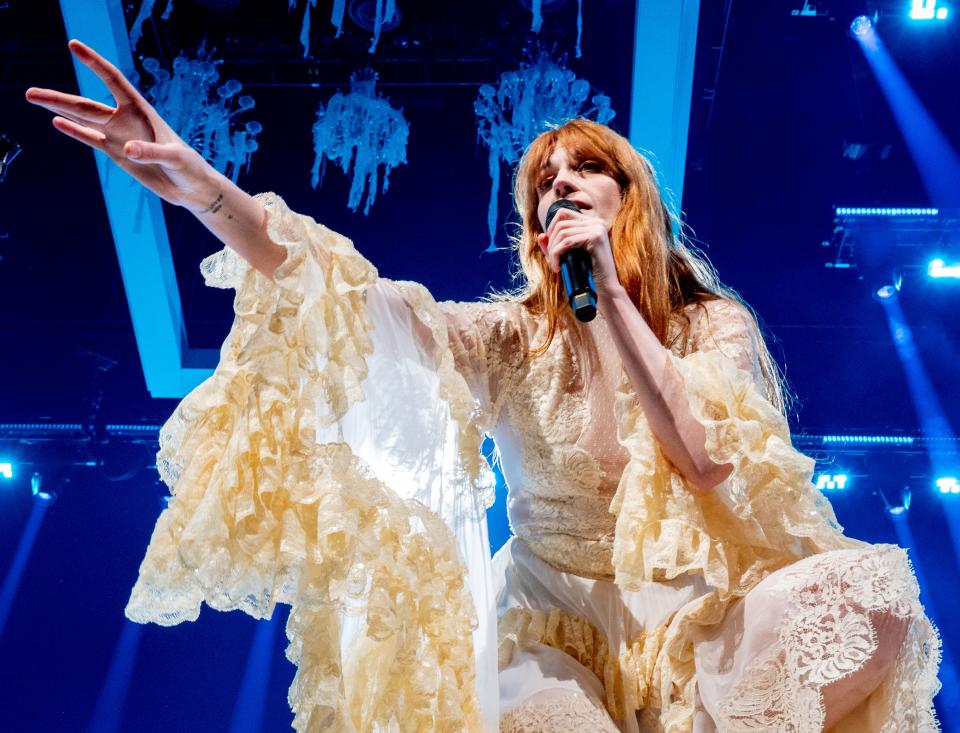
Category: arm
<point>238,220</point>
<point>661,394</point>
<point>138,140</point>
<point>658,385</point>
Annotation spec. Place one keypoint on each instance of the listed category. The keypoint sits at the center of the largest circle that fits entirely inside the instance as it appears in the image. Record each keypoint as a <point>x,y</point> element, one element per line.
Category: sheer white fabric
<point>615,619</point>
<point>332,462</point>
<point>584,473</point>
<point>404,431</point>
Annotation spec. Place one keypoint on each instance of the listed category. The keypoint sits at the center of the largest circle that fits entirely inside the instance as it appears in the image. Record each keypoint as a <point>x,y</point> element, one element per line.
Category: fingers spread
<point>70,105</point>
<point>121,89</point>
<point>93,138</point>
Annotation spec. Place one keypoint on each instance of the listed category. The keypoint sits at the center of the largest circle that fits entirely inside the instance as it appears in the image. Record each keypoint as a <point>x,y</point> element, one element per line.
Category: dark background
<point>775,99</point>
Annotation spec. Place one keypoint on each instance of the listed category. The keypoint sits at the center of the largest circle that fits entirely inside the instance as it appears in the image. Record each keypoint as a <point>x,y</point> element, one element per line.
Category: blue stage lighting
<point>889,289</point>
<point>869,439</point>
<point>885,211</point>
<point>36,484</point>
<point>6,470</point>
<point>830,482</point>
<point>861,26</point>
<point>948,485</point>
<point>938,269</point>
<point>927,10</point>
<point>887,292</point>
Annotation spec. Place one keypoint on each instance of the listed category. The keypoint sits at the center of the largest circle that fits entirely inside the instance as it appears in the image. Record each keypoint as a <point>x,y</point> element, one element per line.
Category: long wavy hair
<point>662,272</point>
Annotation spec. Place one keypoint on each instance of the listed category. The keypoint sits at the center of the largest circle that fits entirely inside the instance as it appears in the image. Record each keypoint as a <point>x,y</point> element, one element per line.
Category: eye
<point>544,184</point>
<point>590,166</point>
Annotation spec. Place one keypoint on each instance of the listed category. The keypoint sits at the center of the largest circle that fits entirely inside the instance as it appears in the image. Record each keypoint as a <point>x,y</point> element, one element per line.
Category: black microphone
<point>576,267</point>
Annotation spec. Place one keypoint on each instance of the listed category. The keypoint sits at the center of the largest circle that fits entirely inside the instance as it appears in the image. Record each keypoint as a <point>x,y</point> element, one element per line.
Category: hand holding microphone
<point>576,268</point>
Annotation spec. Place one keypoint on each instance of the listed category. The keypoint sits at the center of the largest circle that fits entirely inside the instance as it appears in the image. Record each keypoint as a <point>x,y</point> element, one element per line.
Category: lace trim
<point>827,635</point>
<point>764,517</point>
<point>626,677</point>
<point>263,514</point>
<point>566,713</point>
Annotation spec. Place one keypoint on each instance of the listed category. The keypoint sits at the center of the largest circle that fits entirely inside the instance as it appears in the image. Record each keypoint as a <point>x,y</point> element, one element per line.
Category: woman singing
<point>672,567</point>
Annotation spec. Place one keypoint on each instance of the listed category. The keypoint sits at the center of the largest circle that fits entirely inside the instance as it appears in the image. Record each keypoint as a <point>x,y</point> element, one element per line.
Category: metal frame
<point>170,367</point>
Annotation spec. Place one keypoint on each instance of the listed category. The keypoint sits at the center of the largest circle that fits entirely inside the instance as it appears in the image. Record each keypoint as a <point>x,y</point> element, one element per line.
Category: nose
<point>563,183</point>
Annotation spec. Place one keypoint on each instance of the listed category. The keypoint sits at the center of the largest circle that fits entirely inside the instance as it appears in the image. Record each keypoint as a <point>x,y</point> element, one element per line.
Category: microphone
<point>576,267</point>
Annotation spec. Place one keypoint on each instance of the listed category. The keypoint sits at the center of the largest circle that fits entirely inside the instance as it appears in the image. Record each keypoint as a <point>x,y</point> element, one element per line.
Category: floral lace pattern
<point>826,635</point>
<point>263,512</point>
<point>540,410</point>
<point>565,713</point>
<point>626,678</point>
<point>765,517</point>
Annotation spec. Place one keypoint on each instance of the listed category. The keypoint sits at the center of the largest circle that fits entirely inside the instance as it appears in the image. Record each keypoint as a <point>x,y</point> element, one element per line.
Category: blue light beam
<point>15,574</point>
<point>248,710</point>
<point>108,713</point>
<point>936,160</point>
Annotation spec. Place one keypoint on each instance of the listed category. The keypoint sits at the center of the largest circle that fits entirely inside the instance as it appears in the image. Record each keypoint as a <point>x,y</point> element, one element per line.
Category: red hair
<point>661,272</point>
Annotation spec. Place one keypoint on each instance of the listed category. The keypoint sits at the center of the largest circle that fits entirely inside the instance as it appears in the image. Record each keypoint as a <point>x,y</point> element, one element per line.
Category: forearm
<point>661,394</point>
<point>239,221</point>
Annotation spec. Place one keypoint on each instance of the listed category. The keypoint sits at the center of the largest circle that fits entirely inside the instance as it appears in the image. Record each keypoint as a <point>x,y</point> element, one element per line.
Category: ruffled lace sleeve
<point>486,340</point>
<point>764,516</point>
<point>332,463</point>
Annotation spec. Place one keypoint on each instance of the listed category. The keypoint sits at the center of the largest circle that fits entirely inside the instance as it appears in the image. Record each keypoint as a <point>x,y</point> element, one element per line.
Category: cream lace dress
<point>332,463</point>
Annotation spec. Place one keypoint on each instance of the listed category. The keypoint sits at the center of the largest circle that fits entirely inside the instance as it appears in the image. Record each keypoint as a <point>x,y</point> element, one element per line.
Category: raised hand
<point>132,134</point>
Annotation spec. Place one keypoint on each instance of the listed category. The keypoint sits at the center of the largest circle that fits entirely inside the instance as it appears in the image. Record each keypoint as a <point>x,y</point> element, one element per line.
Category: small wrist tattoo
<point>214,207</point>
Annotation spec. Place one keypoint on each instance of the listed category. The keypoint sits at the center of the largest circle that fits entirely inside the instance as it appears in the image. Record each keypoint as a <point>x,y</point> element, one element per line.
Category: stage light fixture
<point>861,26</point>
<point>36,483</point>
<point>948,485</point>
<point>897,512</point>
<point>832,482</point>
<point>868,439</point>
<point>886,211</point>
<point>8,151</point>
<point>888,289</point>
<point>927,10</point>
<point>6,470</point>
<point>938,269</point>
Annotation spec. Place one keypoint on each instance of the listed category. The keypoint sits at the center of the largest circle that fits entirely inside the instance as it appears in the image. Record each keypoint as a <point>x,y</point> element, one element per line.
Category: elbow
<point>708,478</point>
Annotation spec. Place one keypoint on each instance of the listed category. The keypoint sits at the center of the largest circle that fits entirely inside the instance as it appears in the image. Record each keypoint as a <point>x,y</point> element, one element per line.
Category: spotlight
<point>938,269</point>
<point>831,482</point>
<point>6,470</point>
<point>861,26</point>
<point>897,512</point>
<point>889,290</point>
<point>8,151</point>
<point>948,485</point>
<point>927,10</point>
<point>36,481</point>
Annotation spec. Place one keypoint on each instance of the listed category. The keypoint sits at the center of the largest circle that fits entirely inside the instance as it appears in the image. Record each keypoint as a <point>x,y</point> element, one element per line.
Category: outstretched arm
<point>138,140</point>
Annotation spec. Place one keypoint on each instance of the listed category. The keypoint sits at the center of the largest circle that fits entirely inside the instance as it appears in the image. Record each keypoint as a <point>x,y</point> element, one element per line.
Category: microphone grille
<point>555,207</point>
